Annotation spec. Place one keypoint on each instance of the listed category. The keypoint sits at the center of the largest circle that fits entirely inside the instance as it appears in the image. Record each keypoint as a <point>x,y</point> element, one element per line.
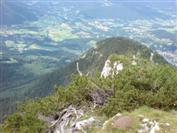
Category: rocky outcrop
<point>149,126</point>
<point>111,68</point>
<point>151,57</point>
<point>78,70</point>
<point>99,96</point>
<point>67,121</point>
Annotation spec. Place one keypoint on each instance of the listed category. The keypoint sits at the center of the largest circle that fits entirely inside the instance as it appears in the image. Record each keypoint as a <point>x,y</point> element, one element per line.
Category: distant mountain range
<point>16,12</point>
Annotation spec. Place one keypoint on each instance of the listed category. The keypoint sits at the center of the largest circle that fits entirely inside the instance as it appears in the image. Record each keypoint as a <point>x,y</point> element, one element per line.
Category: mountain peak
<point>118,49</point>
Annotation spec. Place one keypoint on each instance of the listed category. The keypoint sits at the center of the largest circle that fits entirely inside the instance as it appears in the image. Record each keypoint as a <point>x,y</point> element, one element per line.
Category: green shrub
<point>146,84</point>
<point>151,85</point>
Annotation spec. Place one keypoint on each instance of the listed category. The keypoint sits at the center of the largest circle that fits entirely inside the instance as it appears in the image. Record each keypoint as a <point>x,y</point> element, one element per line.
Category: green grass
<point>162,117</point>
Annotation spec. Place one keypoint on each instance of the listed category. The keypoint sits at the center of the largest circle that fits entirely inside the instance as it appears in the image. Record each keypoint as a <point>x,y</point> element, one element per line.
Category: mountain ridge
<point>92,61</point>
<point>136,81</point>
<point>106,48</point>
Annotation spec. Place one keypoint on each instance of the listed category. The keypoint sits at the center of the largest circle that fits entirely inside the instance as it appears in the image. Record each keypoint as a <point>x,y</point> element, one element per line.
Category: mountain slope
<point>92,61</point>
<point>134,78</point>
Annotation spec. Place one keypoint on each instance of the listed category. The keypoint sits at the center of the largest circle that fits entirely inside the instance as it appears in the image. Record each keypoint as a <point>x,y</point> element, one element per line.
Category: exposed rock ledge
<point>67,121</point>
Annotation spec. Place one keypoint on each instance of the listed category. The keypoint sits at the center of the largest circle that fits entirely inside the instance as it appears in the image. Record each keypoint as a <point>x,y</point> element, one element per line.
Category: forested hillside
<point>118,80</point>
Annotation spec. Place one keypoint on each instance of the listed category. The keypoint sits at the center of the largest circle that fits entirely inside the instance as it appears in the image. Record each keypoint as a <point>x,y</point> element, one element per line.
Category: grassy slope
<point>153,114</point>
